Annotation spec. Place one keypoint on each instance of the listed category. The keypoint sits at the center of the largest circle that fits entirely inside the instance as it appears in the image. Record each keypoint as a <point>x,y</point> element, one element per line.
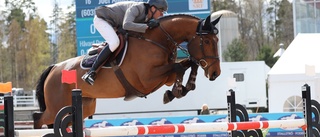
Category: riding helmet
<point>160,4</point>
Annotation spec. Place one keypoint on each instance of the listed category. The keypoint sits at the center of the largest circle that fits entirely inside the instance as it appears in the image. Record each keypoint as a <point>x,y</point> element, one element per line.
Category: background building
<point>228,29</point>
<point>306,16</point>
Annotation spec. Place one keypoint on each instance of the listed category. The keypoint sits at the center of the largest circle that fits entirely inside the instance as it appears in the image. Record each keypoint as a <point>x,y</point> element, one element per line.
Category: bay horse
<point>149,63</point>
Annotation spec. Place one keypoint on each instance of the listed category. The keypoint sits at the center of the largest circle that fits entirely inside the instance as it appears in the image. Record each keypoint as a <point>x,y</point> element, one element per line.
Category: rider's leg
<point>112,40</point>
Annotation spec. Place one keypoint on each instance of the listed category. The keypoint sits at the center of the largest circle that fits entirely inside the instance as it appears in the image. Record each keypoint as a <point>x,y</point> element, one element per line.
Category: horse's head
<point>203,47</point>
<point>201,36</point>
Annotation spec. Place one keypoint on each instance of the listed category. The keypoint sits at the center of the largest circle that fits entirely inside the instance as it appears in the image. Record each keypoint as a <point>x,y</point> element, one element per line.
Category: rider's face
<point>157,12</point>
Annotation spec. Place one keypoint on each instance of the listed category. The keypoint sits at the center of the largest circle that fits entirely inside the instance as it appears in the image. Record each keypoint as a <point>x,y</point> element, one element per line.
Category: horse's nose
<point>213,76</point>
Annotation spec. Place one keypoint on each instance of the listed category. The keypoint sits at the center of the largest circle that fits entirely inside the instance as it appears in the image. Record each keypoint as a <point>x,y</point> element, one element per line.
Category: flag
<point>69,76</point>
<point>5,87</point>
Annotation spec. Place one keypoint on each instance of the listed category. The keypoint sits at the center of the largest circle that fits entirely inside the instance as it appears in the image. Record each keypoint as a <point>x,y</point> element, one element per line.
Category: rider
<point>128,14</point>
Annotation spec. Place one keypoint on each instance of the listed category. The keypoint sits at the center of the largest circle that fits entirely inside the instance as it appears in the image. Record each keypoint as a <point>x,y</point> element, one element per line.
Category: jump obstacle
<point>243,128</point>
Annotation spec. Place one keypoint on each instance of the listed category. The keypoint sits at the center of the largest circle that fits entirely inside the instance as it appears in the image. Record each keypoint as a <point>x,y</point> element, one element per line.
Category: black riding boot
<point>90,76</point>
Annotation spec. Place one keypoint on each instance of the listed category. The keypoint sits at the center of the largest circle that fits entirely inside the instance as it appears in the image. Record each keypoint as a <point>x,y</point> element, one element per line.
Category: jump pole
<point>307,112</point>
<point>191,128</point>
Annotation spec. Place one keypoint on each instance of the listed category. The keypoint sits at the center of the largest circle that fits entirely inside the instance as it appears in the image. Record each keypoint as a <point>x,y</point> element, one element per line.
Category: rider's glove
<point>153,23</point>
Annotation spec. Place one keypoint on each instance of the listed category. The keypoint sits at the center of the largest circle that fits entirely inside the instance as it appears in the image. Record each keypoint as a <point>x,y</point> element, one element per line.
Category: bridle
<point>200,32</point>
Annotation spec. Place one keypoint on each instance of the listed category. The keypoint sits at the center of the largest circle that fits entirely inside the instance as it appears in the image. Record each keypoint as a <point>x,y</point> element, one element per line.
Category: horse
<point>150,62</point>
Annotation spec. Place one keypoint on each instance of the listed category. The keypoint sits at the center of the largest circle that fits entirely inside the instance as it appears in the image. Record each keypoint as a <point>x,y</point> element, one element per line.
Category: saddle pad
<point>88,60</point>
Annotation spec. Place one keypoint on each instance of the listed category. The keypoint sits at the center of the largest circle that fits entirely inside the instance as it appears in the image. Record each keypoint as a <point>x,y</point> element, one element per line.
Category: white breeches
<point>107,32</point>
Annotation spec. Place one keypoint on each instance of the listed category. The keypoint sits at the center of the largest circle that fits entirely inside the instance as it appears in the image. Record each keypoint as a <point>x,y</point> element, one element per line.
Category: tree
<point>14,37</point>
<point>3,53</point>
<point>253,20</point>
<point>15,33</point>
<point>56,18</point>
<point>266,54</point>
<point>252,28</point>
<point>67,36</point>
<point>236,51</point>
<point>37,58</point>
<point>272,15</point>
<point>224,5</point>
<point>284,24</point>
<point>17,7</point>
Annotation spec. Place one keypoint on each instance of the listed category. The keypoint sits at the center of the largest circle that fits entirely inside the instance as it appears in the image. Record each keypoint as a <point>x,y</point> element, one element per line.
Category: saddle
<point>117,56</point>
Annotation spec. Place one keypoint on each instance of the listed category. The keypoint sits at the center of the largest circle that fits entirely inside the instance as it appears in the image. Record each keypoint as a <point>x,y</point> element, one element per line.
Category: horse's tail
<point>40,88</point>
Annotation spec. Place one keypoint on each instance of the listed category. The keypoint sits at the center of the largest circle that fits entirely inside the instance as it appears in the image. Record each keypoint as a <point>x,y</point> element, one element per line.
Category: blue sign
<point>85,11</point>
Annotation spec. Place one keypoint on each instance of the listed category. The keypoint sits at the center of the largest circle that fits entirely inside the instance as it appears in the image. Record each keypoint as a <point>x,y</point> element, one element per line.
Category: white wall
<point>281,87</point>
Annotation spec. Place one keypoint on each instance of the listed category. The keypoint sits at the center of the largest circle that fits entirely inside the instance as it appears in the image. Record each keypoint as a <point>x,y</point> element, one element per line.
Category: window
<point>239,77</point>
<point>293,104</point>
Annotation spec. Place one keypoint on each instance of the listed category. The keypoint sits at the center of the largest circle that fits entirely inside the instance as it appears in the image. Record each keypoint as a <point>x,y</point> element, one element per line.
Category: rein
<point>166,48</point>
<point>200,32</point>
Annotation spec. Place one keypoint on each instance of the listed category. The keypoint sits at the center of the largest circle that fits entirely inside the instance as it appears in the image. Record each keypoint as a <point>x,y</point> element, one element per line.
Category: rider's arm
<point>133,14</point>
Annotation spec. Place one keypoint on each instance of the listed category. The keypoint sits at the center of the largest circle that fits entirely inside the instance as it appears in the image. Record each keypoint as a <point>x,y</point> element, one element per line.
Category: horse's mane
<point>167,17</point>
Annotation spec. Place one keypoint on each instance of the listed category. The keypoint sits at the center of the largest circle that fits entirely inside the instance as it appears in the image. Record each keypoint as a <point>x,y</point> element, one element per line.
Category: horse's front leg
<point>191,84</point>
<point>178,89</point>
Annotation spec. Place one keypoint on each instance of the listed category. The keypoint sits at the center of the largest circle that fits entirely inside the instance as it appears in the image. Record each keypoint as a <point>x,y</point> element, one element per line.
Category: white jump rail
<point>174,128</point>
<point>32,133</point>
<point>191,128</point>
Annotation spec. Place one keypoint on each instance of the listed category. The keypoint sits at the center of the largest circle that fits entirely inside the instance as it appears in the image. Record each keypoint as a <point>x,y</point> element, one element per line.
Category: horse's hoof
<point>177,93</point>
<point>36,116</point>
<point>50,126</point>
<point>190,86</point>
<point>167,97</point>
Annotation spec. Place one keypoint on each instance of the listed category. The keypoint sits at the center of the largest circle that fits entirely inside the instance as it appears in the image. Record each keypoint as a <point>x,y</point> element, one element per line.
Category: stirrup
<point>89,77</point>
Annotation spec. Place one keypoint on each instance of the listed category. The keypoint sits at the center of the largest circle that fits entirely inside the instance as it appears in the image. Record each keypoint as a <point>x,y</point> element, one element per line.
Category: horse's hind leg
<point>168,97</point>
<point>89,106</point>
<point>42,118</point>
<point>37,123</point>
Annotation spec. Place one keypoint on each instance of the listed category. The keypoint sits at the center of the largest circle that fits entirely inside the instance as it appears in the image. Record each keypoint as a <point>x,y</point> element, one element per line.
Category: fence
<point>23,100</point>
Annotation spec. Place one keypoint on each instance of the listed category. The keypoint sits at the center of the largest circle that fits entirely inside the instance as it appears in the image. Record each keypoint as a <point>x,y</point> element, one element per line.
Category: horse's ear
<point>214,23</point>
<point>207,21</point>
<point>207,25</point>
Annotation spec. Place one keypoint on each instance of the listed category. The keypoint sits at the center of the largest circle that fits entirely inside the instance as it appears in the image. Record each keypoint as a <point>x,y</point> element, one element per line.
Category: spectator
<point>204,110</point>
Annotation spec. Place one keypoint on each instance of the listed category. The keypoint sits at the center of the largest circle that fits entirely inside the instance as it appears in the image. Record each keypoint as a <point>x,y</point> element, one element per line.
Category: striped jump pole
<point>238,111</point>
<point>191,128</point>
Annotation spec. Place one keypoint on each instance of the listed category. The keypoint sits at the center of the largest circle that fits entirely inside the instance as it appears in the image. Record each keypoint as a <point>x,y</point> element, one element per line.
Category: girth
<point>131,92</point>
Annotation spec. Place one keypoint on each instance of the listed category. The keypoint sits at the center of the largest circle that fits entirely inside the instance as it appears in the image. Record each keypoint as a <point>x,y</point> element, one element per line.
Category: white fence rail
<point>23,101</point>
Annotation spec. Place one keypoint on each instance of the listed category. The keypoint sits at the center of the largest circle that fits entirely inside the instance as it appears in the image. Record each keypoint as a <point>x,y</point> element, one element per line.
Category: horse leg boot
<point>191,84</point>
<point>90,76</point>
